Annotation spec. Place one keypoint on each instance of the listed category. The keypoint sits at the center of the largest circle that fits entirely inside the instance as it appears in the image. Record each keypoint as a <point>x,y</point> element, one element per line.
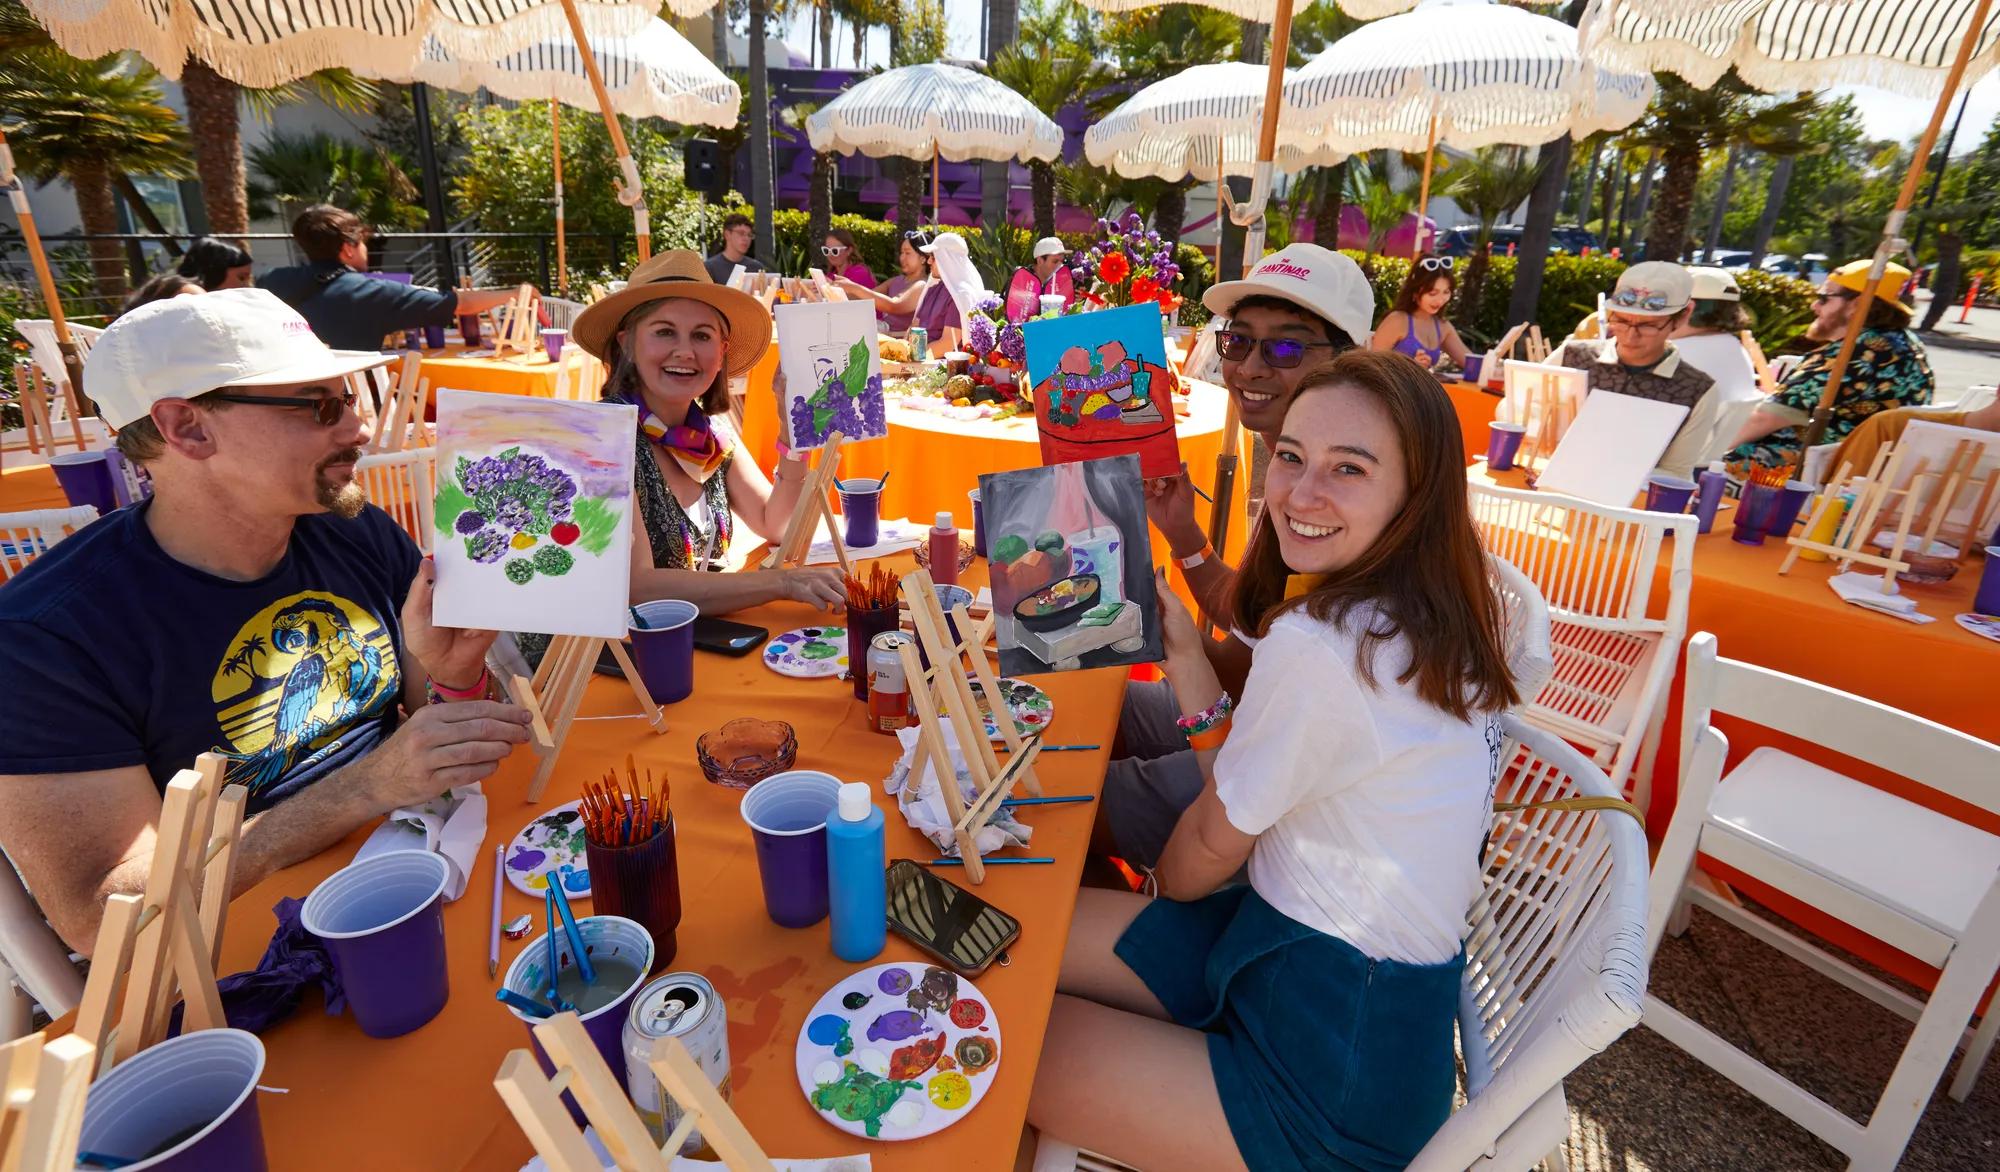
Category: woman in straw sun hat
<point>672,339</point>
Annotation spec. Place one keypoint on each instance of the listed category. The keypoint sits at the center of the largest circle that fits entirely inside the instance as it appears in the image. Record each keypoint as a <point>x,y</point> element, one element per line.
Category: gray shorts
<point>1146,791</point>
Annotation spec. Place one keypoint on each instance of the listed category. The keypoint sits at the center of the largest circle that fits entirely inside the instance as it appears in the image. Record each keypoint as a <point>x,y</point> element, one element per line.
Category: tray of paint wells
<point>898,1051</point>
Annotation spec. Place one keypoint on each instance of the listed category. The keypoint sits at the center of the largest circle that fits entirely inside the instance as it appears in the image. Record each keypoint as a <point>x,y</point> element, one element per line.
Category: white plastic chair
<point>1920,881</point>
<point>1594,565</point>
<point>1729,419</point>
<point>32,955</point>
<point>579,376</point>
<point>403,485</point>
<point>27,536</point>
<point>1975,396</point>
<point>561,311</point>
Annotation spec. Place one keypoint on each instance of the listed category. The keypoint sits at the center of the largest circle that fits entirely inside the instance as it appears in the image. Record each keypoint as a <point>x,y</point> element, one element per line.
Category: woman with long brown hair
<point>1415,325</point>
<point>1306,1020</point>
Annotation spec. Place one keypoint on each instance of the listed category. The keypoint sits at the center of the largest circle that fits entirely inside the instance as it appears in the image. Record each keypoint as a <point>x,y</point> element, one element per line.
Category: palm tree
<point>819,196</point>
<point>1320,190</point>
<point>1373,187</point>
<point>1049,82</point>
<point>91,123</point>
<point>215,122</point>
<point>1489,184</point>
<point>1686,123</point>
<point>298,170</point>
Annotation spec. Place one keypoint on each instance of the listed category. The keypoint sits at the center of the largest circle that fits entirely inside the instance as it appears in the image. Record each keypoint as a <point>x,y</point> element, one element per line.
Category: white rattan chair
<point>403,485</point>
<point>1923,882</point>
<point>391,400</point>
<point>27,536</point>
<point>1595,565</point>
<point>1976,396</point>
<point>561,311</point>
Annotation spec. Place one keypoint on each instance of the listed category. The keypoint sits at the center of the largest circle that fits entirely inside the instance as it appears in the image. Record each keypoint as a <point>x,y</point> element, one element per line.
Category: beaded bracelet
<point>439,694</point>
<point>1208,717</point>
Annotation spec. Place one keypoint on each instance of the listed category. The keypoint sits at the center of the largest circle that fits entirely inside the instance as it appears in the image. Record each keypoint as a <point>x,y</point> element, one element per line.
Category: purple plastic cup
<point>1503,443</point>
<point>188,1104</point>
<point>787,814</point>
<point>978,523</point>
<point>663,650</point>
<point>383,923</point>
<point>1668,494</point>
<point>603,936</point>
<point>1791,501</point>
<point>1987,601</point>
<point>433,337</point>
<point>468,329</point>
<point>861,511</point>
<point>89,478</point>
<point>552,341</point>
<point>1472,364</point>
<point>1755,510</point>
<point>862,627</point>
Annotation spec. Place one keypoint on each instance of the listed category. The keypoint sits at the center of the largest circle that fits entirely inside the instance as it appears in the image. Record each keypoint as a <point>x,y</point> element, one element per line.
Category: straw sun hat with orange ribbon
<point>679,274</point>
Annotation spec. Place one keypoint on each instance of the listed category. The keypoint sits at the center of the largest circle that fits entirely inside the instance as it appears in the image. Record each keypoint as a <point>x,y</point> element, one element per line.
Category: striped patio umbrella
<point>934,111</point>
<point>1181,127</point>
<point>654,73</point>
<point>1923,48</point>
<point>1465,75</point>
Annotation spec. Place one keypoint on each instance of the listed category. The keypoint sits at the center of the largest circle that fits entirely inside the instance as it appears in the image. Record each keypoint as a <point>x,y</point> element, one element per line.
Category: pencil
<point>988,860</point>
<point>493,938</point>
<point>1059,748</point>
<point>1047,801</point>
<point>1198,492</point>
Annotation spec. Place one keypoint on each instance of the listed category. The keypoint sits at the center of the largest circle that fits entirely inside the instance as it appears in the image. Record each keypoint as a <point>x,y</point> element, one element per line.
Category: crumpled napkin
<point>1865,590</point>
<point>453,825</point>
<point>923,803</point>
<point>268,994</point>
<point>860,1163</point>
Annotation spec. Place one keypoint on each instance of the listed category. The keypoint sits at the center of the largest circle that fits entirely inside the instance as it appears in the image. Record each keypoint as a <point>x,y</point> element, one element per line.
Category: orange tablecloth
<point>30,486</point>
<point>426,1100</point>
<point>1475,407</point>
<point>516,374</point>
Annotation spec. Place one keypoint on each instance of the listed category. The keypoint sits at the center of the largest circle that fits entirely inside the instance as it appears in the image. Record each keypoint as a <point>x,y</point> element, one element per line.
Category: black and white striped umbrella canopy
<point>910,111</point>
<point>268,42</point>
<point>1489,74</point>
<point>654,74</point>
<point>1173,128</point>
<point>1901,45</point>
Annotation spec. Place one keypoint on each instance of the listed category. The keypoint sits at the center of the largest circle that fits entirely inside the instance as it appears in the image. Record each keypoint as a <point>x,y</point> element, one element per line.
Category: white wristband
<point>1194,559</point>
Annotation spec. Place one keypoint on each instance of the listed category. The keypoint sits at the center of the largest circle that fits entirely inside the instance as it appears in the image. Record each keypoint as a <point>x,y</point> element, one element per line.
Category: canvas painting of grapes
<point>833,373</point>
<point>533,514</point>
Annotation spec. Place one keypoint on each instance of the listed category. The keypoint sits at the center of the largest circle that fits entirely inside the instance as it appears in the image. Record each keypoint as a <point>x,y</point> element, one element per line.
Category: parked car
<point>1574,240</point>
<point>1734,259</point>
<point>1810,267</point>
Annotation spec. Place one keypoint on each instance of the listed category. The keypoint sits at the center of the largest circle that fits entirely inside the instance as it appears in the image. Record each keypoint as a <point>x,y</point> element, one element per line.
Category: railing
<point>94,273</point>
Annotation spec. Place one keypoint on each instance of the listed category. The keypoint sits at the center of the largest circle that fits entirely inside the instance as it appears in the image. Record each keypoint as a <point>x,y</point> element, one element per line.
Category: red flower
<point>1170,302</point>
<point>1144,289</point>
<point>1114,268</point>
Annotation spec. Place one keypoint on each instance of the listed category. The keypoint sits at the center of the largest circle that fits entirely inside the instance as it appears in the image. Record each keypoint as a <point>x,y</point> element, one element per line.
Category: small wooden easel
<point>536,1102</point>
<point>944,691</point>
<point>813,507</point>
<point>556,692</point>
<point>174,933</point>
<point>41,1115</point>
<point>516,325</point>
<point>1852,543</point>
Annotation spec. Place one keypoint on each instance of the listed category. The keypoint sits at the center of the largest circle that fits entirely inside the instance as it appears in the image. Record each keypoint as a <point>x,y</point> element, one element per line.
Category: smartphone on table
<point>947,922</point>
<point>727,638</point>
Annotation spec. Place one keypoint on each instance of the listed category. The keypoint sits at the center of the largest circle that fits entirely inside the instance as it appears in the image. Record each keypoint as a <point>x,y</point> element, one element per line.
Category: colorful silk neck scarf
<point>693,444</point>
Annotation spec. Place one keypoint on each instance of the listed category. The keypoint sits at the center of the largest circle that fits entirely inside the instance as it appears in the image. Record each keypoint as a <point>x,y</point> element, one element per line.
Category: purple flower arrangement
<point>1128,263</point>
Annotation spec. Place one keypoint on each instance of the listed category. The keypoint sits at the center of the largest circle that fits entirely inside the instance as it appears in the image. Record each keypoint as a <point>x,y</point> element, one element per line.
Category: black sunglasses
<point>1279,353</point>
<point>1842,294</point>
<point>326,411</point>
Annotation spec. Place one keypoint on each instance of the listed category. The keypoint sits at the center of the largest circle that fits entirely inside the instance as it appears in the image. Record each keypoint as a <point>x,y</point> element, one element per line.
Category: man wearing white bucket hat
<point>255,606</point>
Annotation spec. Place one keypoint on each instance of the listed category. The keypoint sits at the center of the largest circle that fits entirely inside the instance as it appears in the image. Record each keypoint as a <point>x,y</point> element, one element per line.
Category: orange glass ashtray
<point>746,751</point>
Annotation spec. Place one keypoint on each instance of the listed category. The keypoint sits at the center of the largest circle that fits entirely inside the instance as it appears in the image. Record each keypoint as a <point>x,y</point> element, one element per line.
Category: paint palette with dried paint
<point>898,1051</point>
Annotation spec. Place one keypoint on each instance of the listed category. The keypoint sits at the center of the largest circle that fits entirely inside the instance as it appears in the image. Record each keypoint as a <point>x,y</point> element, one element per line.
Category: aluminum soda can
<point>920,343</point>
<point>676,1005</point>
<point>888,683</point>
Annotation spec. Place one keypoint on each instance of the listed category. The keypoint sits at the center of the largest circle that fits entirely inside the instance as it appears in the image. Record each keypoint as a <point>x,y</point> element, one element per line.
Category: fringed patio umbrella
<point>1199,124</point>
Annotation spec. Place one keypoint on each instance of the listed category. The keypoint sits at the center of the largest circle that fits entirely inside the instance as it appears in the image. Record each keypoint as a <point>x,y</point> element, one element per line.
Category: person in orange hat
<point>1889,369</point>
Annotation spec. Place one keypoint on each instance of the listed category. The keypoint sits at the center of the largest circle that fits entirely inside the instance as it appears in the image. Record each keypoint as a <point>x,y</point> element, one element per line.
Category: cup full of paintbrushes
<point>628,842</point>
<point>871,609</point>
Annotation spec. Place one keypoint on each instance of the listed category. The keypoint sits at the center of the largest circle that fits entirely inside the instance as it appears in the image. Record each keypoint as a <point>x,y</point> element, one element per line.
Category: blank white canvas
<point>1613,444</point>
<point>1933,443</point>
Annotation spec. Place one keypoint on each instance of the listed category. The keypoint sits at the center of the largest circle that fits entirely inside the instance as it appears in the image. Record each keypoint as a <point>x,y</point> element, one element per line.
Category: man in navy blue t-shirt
<point>256,606</point>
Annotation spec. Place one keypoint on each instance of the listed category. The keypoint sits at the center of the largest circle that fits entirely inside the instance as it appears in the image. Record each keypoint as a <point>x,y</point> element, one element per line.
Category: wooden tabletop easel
<point>172,936</point>
<point>41,1113</point>
<point>517,325</point>
<point>556,692</point>
<point>1852,542</point>
<point>944,691</point>
<point>813,506</point>
<point>536,1102</point>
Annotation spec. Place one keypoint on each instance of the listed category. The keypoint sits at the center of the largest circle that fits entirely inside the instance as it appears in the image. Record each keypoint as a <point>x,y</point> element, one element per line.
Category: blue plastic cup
<point>663,649</point>
<point>383,923</point>
<point>787,815</point>
<point>188,1104</point>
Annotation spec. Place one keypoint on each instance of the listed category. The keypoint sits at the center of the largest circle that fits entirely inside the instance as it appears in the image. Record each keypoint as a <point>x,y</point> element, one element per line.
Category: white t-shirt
<point>1722,358</point>
<point>1369,804</point>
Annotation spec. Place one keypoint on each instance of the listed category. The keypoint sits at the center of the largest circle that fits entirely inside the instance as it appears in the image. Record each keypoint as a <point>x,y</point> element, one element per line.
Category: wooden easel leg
<point>647,705</point>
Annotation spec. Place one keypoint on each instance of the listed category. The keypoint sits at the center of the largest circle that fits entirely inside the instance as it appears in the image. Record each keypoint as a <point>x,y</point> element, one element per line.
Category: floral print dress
<point>1889,370</point>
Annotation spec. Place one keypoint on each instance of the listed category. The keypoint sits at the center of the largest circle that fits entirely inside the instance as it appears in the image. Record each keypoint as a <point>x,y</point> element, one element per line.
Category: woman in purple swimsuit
<point>1415,325</point>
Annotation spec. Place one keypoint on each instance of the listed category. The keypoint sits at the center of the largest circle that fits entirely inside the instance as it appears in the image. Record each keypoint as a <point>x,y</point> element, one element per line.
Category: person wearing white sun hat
<point>256,606</point>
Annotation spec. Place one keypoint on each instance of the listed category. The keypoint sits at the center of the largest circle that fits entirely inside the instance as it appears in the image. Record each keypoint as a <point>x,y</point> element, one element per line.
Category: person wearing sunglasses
<point>1418,313</point>
<point>1889,369</point>
<point>1648,304</point>
<point>914,269</point>
<point>1297,309</point>
<point>254,606</point>
<point>843,257</point>
<point>929,303</point>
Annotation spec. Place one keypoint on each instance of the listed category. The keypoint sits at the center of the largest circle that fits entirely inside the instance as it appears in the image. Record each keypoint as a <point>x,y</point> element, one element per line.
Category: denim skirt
<point>1325,1059</point>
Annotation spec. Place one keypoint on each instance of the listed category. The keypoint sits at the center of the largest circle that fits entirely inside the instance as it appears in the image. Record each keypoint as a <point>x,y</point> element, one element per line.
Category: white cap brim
<point>1221,300</point>
<point>332,364</point>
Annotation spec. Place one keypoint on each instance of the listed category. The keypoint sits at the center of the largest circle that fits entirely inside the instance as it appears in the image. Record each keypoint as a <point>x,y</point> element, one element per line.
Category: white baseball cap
<point>1713,284</point>
<point>184,347</point>
<point>1317,280</point>
<point>1049,246</point>
<point>1651,288</point>
<point>947,242</point>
